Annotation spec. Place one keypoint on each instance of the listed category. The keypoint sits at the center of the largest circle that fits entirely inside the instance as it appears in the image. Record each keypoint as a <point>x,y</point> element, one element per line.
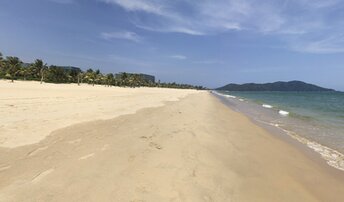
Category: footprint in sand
<point>86,157</point>
<point>35,151</point>
<point>131,158</point>
<point>74,141</point>
<point>41,175</point>
<point>144,137</point>
<point>105,147</point>
<point>194,173</point>
<point>155,145</point>
<point>2,168</point>
<point>147,138</point>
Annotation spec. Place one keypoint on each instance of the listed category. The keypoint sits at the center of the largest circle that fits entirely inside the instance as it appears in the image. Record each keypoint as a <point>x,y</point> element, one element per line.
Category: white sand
<point>196,149</point>
<point>30,111</point>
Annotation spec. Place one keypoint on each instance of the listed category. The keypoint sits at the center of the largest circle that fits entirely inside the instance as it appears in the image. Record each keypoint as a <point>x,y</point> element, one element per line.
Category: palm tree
<point>40,68</point>
<point>1,64</point>
<point>80,77</point>
<point>109,79</point>
<point>13,67</point>
<point>98,77</point>
<point>1,59</point>
<point>91,76</point>
<point>57,75</point>
<point>24,72</point>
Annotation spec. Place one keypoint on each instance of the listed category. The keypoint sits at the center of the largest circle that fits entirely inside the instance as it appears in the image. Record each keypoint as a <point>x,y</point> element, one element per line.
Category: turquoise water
<point>326,107</point>
<point>315,118</point>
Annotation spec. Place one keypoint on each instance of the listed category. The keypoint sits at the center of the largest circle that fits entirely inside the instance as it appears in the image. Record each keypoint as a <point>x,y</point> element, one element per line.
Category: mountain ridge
<point>275,86</point>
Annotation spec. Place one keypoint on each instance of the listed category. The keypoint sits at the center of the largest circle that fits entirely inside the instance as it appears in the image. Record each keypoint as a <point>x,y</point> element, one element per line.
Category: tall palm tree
<point>80,77</point>
<point>1,59</point>
<point>91,76</point>
<point>110,79</point>
<point>98,77</point>
<point>24,72</point>
<point>13,67</point>
<point>1,63</point>
<point>40,68</point>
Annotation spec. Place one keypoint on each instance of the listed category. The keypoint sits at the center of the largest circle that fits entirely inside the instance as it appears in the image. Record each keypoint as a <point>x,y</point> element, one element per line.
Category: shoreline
<point>332,157</point>
<point>195,149</point>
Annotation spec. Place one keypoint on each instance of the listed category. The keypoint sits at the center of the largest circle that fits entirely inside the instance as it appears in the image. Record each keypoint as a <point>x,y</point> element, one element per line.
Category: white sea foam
<point>332,157</point>
<point>267,106</point>
<point>223,95</point>
<point>283,113</point>
<point>242,100</point>
<point>230,96</point>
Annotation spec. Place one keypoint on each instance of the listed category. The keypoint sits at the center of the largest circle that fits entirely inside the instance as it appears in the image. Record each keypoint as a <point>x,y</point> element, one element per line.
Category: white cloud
<point>138,5</point>
<point>179,57</point>
<point>131,36</point>
<point>170,28</point>
<point>332,44</point>
<point>169,19</point>
<point>294,21</point>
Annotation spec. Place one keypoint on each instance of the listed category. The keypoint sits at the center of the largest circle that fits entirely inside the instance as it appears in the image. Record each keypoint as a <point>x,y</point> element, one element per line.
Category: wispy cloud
<point>178,57</point>
<point>131,36</point>
<point>139,5</point>
<point>332,44</point>
<point>164,16</point>
<point>293,21</point>
<point>206,17</point>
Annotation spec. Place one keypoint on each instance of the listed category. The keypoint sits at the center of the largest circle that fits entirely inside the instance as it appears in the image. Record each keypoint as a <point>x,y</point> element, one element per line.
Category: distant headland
<point>276,86</point>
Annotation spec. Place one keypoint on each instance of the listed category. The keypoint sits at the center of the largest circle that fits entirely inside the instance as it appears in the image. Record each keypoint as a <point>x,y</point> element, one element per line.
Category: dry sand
<point>196,149</point>
<point>30,111</point>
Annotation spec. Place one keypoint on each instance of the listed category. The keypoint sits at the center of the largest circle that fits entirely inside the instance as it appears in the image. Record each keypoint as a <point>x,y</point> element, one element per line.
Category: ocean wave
<point>223,95</point>
<point>283,113</point>
<point>267,106</point>
<point>230,96</point>
<point>332,157</point>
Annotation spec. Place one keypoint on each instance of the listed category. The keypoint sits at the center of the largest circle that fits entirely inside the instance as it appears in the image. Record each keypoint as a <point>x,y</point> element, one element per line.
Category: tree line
<point>12,68</point>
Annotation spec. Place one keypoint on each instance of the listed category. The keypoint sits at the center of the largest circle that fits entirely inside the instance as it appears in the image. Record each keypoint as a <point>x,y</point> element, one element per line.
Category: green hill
<point>276,86</point>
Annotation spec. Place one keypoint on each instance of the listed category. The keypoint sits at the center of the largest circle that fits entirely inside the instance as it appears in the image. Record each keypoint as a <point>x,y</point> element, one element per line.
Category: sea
<point>315,119</point>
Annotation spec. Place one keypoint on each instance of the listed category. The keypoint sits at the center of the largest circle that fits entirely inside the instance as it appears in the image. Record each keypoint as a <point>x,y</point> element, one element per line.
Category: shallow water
<point>314,118</point>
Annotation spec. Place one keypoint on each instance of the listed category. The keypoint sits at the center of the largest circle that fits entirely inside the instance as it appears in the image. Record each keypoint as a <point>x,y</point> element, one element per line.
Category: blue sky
<point>203,42</point>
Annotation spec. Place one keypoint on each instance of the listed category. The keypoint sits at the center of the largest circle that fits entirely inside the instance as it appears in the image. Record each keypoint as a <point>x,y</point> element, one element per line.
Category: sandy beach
<point>84,143</point>
<point>31,111</point>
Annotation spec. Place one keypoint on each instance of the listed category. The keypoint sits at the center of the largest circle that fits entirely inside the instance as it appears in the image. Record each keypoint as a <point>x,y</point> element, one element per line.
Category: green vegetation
<point>277,86</point>
<point>13,68</point>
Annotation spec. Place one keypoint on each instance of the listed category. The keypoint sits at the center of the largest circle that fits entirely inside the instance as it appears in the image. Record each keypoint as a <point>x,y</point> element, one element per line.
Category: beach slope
<point>196,149</point>
<point>30,111</point>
